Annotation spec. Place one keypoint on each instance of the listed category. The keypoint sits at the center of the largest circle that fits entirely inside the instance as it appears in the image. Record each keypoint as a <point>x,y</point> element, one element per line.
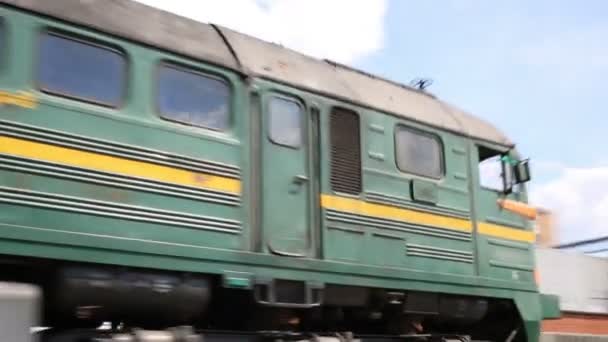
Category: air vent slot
<point>345,152</point>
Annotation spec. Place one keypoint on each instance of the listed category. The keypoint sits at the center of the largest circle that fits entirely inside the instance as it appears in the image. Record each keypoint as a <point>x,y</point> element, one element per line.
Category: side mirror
<point>521,171</point>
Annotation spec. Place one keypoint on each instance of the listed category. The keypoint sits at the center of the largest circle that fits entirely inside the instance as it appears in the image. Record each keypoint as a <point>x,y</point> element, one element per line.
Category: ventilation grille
<point>345,152</point>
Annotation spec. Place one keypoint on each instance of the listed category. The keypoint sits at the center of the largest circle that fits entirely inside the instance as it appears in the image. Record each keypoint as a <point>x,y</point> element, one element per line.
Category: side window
<point>418,153</point>
<point>285,122</point>
<point>493,173</point>
<point>192,98</point>
<point>345,143</point>
<point>81,70</point>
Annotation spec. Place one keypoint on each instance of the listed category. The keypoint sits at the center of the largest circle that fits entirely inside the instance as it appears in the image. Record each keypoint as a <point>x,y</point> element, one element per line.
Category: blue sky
<point>536,70</point>
<point>489,58</point>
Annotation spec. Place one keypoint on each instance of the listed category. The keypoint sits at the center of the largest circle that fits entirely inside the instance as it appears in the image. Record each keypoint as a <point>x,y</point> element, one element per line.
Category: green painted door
<point>286,181</point>
<point>505,251</point>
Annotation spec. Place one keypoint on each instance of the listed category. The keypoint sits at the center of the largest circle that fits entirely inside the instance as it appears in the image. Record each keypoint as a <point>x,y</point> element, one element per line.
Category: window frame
<point>293,99</point>
<point>500,153</point>
<point>442,167</point>
<point>90,41</point>
<point>169,63</point>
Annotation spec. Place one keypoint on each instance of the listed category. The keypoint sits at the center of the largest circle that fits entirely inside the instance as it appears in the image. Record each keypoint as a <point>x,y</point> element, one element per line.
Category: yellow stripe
<point>127,167</point>
<point>19,99</point>
<point>383,211</point>
<point>99,162</point>
<point>506,232</point>
<point>387,212</point>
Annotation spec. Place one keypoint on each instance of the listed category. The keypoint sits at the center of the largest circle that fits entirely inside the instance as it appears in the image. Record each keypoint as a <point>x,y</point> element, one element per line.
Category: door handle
<point>300,179</point>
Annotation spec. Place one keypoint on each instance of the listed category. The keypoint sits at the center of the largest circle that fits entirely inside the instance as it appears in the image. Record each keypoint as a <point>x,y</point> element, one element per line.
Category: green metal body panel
<point>508,260</point>
<point>285,188</point>
<point>384,183</point>
<point>291,220</point>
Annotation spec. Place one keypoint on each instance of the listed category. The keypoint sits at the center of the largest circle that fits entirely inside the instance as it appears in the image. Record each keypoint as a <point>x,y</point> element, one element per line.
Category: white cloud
<point>341,30</point>
<point>579,199</point>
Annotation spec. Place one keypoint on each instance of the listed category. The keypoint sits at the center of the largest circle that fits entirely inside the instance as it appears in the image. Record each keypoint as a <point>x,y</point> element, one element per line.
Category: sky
<point>537,70</point>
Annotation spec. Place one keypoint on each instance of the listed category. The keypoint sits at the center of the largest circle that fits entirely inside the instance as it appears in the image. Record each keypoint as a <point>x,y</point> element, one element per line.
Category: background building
<point>581,282</point>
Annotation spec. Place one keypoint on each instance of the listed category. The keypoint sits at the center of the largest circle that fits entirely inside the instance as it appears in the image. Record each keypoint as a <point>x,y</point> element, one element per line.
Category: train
<point>158,172</point>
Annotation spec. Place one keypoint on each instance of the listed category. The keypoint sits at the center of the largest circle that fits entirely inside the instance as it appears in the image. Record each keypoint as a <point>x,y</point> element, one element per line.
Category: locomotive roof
<point>254,57</point>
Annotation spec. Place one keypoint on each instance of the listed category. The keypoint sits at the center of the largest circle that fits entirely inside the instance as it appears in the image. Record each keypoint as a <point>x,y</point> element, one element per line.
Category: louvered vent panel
<point>345,152</point>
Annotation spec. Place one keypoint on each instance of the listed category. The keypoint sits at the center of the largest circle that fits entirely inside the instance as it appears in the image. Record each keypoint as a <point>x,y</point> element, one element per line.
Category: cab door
<point>286,184</point>
<point>504,239</point>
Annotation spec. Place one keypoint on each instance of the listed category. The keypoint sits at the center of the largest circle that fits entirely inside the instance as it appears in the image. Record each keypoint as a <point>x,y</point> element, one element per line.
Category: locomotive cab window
<point>494,173</point>
<point>81,70</point>
<point>192,98</point>
<point>285,122</point>
<point>418,153</point>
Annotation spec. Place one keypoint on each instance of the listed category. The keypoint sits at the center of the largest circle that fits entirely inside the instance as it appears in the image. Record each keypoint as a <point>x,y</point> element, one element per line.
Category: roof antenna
<point>421,83</point>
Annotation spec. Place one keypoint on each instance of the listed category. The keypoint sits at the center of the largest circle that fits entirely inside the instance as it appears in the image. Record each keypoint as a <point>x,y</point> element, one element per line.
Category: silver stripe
<point>120,150</point>
<point>115,180</point>
<point>395,201</point>
<point>103,236</point>
<point>455,252</point>
<point>109,209</point>
<point>435,256</point>
<point>344,229</point>
<point>510,266</point>
<point>439,253</point>
<point>337,216</point>
<point>510,244</point>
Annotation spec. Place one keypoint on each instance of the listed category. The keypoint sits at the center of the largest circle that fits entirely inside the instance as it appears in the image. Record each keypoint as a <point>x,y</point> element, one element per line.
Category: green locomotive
<point>156,171</point>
